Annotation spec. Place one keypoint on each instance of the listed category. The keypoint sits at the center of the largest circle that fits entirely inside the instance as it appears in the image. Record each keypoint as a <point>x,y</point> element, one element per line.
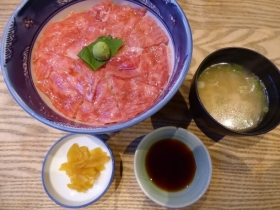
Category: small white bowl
<point>201,179</point>
<point>55,181</point>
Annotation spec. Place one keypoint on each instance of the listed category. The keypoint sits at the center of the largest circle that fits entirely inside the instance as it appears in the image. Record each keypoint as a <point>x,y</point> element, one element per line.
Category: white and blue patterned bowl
<point>19,37</point>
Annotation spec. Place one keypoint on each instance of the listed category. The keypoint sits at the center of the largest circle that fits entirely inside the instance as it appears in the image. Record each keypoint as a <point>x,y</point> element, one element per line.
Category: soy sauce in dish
<point>170,165</point>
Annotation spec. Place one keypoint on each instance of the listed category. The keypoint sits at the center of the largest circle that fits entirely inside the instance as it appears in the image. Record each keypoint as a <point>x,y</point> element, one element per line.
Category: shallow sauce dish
<point>55,181</point>
<point>202,177</point>
<point>26,23</point>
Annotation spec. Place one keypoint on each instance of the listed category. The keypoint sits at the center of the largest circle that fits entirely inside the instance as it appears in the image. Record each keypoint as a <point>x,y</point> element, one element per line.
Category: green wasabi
<point>101,51</point>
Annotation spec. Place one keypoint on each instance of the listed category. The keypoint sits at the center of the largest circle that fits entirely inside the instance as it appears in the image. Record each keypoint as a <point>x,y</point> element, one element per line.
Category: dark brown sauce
<point>170,165</point>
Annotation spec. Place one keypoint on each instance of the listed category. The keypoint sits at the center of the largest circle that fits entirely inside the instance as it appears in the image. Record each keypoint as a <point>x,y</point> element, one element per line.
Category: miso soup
<point>233,96</point>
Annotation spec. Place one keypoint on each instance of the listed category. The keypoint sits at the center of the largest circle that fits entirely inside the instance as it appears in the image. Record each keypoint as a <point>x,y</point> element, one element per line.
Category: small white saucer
<point>55,181</point>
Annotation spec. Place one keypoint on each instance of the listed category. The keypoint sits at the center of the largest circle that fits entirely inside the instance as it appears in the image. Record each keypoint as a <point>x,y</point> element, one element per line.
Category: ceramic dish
<point>201,179</point>
<point>55,181</point>
<point>257,64</point>
<point>31,16</point>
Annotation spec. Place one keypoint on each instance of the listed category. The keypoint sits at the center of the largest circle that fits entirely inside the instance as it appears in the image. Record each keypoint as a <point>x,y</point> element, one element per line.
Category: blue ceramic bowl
<point>22,29</point>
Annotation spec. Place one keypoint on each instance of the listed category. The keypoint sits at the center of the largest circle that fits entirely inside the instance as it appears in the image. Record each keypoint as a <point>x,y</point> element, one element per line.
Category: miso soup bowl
<point>259,65</point>
<point>30,17</point>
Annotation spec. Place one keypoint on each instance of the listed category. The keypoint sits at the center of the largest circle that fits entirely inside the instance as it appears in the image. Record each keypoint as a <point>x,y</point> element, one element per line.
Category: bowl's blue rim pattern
<point>91,202</point>
<point>111,128</point>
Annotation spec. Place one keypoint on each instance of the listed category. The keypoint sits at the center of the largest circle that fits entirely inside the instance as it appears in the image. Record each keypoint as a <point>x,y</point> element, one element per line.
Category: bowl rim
<point>209,163</point>
<point>106,128</point>
<point>199,70</point>
<point>45,160</point>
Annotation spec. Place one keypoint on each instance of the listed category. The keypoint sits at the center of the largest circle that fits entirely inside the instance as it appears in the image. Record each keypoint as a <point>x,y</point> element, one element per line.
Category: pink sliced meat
<point>147,33</point>
<point>75,72</point>
<point>122,19</point>
<point>51,36</point>
<point>88,113</point>
<point>101,10</point>
<point>41,67</point>
<point>127,58</point>
<point>133,96</point>
<point>126,74</point>
<point>125,63</point>
<point>140,11</point>
<point>126,86</point>
<point>154,66</point>
<point>58,37</point>
<point>82,79</point>
<point>61,37</point>
<point>82,20</point>
<point>52,43</point>
<point>89,27</point>
<point>103,109</point>
<point>62,95</point>
<point>47,63</point>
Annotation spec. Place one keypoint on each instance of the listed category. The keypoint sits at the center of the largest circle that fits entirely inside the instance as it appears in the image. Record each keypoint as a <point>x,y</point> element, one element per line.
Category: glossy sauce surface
<point>170,165</point>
